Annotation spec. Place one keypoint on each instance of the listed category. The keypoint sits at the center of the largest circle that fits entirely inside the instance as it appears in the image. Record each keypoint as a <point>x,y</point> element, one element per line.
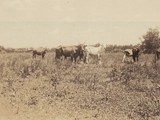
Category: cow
<point>93,50</point>
<point>69,51</point>
<point>134,53</point>
<point>40,51</point>
<point>157,53</point>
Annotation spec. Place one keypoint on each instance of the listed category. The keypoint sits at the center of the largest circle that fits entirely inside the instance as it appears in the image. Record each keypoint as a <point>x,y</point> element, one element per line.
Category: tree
<point>151,40</point>
<point>2,48</point>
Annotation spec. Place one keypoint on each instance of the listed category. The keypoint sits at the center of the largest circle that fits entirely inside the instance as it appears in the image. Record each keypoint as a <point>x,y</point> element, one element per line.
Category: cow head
<point>81,48</point>
<point>58,52</point>
<point>45,50</point>
<point>135,51</point>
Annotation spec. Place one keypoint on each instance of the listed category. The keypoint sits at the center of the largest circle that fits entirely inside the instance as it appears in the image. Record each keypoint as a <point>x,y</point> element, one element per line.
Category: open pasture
<point>32,89</point>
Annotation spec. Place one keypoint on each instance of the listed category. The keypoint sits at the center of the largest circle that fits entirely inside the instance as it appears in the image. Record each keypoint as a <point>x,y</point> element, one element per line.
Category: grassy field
<point>36,89</point>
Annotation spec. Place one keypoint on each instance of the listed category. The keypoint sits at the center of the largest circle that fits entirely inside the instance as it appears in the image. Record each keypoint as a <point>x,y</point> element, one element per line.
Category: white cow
<point>91,50</point>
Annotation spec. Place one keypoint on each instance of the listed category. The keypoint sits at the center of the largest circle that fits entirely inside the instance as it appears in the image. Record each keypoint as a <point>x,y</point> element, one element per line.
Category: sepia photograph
<point>79,60</point>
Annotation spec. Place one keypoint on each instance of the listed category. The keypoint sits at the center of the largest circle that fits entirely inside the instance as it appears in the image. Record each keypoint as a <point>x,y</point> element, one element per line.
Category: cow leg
<point>87,58</point>
<point>124,57</point>
<point>99,59</point>
<point>61,58</point>
<point>42,56</point>
<point>75,59</point>
<point>34,55</point>
<point>82,58</point>
<point>72,59</point>
<point>134,58</point>
<point>64,57</point>
<point>58,57</point>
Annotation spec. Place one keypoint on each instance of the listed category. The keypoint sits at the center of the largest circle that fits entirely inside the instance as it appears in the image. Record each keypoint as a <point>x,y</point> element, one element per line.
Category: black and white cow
<point>134,53</point>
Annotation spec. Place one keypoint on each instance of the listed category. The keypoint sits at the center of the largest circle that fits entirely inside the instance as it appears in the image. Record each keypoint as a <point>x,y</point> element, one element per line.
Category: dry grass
<point>40,89</point>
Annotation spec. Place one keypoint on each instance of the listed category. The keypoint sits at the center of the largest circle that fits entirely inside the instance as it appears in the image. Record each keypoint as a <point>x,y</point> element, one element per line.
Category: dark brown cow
<point>134,53</point>
<point>40,52</point>
<point>69,51</point>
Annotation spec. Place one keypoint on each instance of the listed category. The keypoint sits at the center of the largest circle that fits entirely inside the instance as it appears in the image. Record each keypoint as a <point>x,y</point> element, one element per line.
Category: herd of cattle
<point>84,52</point>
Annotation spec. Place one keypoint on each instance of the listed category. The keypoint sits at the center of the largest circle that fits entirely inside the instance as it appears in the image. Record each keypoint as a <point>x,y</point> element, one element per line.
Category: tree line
<point>149,42</point>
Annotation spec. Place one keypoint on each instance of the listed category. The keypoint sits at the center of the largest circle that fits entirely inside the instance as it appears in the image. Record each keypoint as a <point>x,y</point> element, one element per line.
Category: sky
<point>50,23</point>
